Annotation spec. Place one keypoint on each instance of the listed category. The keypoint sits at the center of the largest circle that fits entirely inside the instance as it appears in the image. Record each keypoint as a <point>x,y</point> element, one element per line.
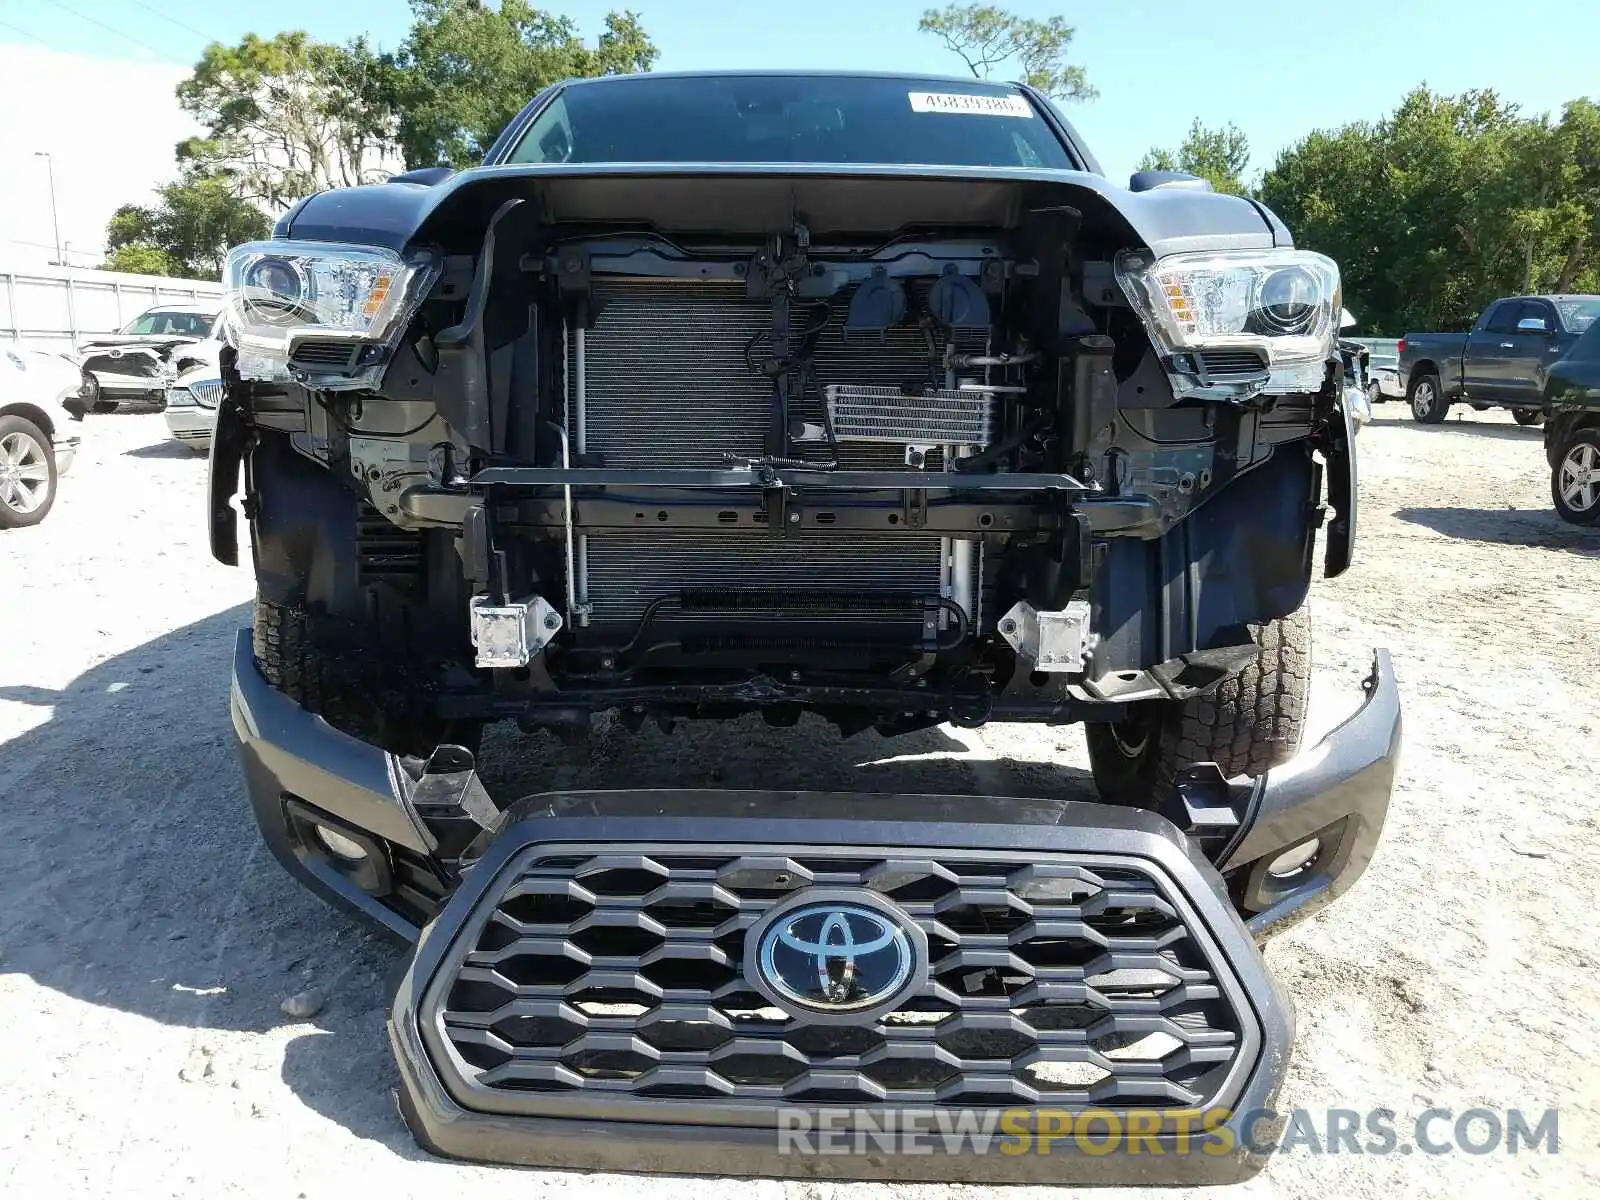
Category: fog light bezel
<point>371,873</point>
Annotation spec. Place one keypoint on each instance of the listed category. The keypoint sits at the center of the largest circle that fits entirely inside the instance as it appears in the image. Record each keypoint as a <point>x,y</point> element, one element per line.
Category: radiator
<point>668,384</point>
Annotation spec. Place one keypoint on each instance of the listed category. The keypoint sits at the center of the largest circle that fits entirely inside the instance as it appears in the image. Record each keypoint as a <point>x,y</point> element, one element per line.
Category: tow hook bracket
<point>451,800</point>
<point>511,635</point>
<point>1202,804</point>
<point>1057,642</point>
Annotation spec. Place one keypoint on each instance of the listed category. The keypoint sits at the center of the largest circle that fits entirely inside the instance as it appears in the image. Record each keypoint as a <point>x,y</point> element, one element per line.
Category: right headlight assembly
<point>1237,322</point>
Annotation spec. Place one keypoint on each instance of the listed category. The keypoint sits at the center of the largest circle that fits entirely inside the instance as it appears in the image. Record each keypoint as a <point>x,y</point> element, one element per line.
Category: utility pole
<point>55,216</point>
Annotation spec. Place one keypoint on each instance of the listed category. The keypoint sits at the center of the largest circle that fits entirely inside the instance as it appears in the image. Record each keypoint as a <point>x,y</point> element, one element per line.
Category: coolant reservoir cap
<point>958,302</point>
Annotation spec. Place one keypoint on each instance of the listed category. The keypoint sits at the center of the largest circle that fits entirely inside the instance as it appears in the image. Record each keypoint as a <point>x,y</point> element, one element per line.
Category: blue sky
<point>1277,70</point>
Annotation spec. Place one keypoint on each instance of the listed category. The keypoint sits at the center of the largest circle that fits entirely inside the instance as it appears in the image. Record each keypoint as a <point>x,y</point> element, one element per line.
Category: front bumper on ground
<point>191,424</point>
<point>66,451</point>
<point>661,1061</point>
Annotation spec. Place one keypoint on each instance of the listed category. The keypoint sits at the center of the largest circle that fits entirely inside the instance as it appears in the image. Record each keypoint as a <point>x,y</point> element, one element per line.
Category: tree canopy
<point>286,116</point>
<point>986,38</point>
<point>1446,204</point>
<point>188,231</point>
<point>467,68</point>
<point>1218,155</point>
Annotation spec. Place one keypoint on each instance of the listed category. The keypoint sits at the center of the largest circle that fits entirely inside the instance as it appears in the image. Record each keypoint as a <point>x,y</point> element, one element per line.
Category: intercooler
<point>670,378</point>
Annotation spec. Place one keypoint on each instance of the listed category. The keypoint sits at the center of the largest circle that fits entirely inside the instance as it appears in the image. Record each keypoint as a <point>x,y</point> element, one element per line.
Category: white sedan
<point>43,398</point>
<point>192,407</point>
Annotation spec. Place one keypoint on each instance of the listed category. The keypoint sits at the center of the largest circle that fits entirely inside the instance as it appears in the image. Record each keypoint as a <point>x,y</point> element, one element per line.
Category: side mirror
<point>1146,181</point>
<point>1347,319</point>
<point>1532,325</point>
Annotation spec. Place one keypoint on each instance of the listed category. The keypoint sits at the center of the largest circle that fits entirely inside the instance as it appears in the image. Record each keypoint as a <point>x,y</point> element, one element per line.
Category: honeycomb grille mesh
<point>614,974</point>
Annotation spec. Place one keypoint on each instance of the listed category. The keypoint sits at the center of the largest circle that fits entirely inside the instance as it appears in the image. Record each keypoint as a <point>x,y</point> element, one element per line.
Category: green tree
<point>187,232</point>
<point>467,68</point>
<point>986,38</point>
<point>286,116</point>
<point>1447,203</point>
<point>1218,155</point>
<point>138,258</point>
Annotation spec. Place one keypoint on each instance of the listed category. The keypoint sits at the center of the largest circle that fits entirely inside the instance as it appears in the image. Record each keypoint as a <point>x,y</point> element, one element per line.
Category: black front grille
<point>602,975</point>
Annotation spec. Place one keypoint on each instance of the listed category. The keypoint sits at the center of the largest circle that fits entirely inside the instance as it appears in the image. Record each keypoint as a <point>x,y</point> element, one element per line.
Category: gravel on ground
<point>155,963</point>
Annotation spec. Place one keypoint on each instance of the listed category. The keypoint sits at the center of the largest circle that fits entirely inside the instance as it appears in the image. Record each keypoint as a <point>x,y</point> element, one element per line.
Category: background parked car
<point>1572,431</point>
<point>43,398</point>
<point>192,407</point>
<point>144,359</point>
<point>1503,362</point>
<point>1384,371</point>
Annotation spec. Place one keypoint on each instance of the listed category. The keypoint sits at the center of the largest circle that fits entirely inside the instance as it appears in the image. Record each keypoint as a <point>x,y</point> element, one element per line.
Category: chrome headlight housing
<point>353,302</point>
<point>1282,305</point>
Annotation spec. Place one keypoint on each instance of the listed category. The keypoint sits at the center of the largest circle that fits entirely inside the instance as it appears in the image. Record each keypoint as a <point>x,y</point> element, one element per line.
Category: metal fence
<point>54,309</point>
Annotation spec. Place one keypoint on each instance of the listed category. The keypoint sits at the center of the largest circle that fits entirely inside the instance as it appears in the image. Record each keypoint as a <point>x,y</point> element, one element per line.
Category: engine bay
<point>893,478</point>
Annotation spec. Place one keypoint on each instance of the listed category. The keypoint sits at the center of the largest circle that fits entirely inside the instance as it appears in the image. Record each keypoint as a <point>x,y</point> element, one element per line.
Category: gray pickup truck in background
<point>1502,363</point>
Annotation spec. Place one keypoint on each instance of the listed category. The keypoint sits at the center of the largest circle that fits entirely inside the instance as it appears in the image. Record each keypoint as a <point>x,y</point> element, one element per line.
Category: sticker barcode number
<point>957,102</point>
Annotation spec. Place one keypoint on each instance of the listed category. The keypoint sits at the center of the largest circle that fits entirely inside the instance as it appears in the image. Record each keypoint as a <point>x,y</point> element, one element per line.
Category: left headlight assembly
<point>320,313</point>
<point>1237,322</point>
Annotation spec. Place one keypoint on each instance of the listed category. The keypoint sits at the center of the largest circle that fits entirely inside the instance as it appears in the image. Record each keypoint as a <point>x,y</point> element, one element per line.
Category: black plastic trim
<point>441,1119</point>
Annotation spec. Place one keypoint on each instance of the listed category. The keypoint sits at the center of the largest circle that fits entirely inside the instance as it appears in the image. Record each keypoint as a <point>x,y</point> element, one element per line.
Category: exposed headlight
<point>280,294</point>
<point>1282,304</point>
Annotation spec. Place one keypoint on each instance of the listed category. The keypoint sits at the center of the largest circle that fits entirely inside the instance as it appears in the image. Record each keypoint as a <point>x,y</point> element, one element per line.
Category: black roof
<point>799,73</point>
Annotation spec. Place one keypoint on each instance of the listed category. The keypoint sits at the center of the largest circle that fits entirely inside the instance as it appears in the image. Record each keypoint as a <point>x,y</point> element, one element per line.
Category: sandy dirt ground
<point>147,941</point>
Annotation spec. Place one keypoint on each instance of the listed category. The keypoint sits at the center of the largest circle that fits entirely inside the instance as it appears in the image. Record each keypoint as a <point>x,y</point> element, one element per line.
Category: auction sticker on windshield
<point>988,106</point>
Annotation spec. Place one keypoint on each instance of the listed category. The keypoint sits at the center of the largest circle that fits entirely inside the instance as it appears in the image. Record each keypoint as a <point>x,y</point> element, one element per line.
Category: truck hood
<point>159,342</point>
<point>740,198</point>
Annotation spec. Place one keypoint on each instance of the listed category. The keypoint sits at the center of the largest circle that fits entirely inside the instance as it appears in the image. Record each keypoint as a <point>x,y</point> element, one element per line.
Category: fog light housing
<point>1295,860</point>
<point>340,846</point>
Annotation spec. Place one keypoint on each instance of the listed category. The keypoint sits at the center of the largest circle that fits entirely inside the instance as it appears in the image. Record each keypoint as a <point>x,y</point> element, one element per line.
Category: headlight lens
<point>1284,304</point>
<point>281,293</point>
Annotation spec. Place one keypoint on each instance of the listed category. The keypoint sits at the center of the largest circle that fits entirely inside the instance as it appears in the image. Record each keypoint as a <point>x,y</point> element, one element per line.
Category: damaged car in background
<point>143,359</point>
<point>867,398</point>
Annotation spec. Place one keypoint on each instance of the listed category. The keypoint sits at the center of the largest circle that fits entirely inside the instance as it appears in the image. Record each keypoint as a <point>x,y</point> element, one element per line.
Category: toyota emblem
<point>848,955</point>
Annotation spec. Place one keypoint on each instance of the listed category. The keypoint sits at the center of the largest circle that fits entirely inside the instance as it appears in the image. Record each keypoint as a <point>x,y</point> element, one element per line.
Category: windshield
<point>791,119</point>
<point>179,324</point>
<point>1579,313</point>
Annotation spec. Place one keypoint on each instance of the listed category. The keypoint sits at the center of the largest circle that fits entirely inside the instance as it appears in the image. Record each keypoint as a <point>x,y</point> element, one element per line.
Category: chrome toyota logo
<point>846,955</point>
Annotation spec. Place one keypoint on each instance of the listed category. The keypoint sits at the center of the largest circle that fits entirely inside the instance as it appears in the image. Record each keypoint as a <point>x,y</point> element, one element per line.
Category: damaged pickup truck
<point>867,397</point>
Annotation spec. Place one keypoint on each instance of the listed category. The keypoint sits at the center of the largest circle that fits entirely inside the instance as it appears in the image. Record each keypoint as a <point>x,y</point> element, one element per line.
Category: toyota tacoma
<point>861,396</point>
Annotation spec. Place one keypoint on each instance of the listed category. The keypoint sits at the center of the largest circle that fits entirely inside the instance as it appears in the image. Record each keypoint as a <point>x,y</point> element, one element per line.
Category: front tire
<point>1528,416</point>
<point>27,473</point>
<point>349,686</point>
<point>1428,405</point>
<point>1575,479</point>
<point>1251,722</point>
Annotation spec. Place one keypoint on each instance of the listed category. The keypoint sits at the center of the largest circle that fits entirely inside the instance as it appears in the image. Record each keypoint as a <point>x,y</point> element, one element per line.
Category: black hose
<point>994,452</point>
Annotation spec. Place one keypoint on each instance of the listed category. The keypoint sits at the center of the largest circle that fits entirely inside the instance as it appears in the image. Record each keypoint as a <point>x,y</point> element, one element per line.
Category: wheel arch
<point>33,414</point>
